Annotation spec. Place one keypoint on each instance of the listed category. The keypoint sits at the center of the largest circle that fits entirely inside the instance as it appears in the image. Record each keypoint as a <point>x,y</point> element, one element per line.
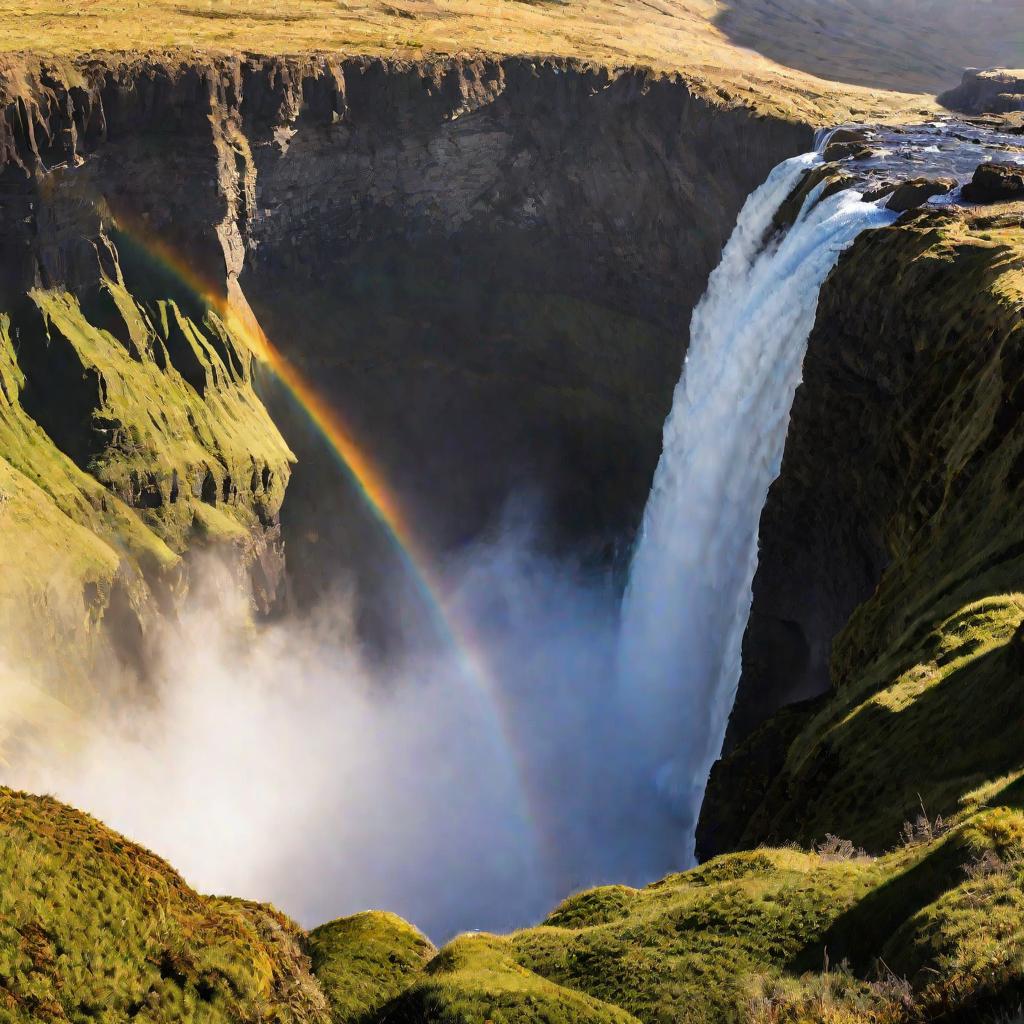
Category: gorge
<point>331,397</point>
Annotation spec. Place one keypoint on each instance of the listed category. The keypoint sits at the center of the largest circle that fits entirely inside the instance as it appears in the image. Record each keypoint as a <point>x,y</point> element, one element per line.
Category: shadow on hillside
<point>878,764</point>
<point>906,45</point>
<point>860,934</point>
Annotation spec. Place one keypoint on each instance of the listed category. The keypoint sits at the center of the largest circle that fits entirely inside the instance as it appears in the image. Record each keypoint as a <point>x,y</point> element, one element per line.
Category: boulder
<point>995,183</point>
<point>849,151</point>
<point>841,135</point>
<point>909,195</point>
<point>881,188</point>
<point>849,142</point>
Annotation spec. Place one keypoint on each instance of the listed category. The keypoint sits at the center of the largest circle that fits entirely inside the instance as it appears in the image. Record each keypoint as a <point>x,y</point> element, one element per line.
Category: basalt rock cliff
<point>487,264</point>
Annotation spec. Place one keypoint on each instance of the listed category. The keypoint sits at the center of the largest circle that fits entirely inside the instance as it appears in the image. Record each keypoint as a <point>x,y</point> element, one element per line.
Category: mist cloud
<point>283,762</point>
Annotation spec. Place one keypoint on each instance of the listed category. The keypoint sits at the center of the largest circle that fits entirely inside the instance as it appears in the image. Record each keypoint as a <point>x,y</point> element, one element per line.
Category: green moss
<point>67,540</point>
<point>162,443</point>
<point>92,927</point>
<point>925,706</point>
<point>686,944</point>
<point>365,960</point>
<point>595,906</point>
<point>765,936</point>
<point>129,433</point>
<point>478,978</point>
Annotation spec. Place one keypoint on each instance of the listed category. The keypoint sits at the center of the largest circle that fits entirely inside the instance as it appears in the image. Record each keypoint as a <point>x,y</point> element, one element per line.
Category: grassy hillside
<point>364,961</point>
<point>693,36</point>
<point>129,432</point>
<point>770,935</point>
<point>96,928</point>
<point>932,928</point>
<point>926,705</point>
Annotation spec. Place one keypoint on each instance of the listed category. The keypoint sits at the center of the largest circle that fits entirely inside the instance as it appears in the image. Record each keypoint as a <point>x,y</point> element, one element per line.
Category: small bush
<point>923,829</point>
<point>835,849</point>
<point>985,864</point>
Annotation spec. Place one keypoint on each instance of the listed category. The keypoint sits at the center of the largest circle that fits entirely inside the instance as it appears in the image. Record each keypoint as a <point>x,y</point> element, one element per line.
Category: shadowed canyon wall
<point>489,268</point>
<point>486,266</point>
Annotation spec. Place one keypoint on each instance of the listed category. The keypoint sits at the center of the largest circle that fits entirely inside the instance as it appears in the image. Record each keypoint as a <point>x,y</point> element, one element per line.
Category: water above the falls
<point>948,147</point>
<point>689,591</point>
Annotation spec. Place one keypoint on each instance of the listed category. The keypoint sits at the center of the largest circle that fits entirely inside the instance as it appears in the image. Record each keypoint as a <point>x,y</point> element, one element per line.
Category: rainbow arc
<point>238,317</point>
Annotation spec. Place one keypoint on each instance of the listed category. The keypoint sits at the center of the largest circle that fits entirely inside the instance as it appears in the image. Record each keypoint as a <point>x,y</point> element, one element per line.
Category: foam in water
<point>689,592</point>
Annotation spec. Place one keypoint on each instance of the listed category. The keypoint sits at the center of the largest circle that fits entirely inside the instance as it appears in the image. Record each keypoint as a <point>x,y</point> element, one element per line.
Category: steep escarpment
<point>900,489</point>
<point>132,433</point>
<point>489,268</point>
<point>485,265</point>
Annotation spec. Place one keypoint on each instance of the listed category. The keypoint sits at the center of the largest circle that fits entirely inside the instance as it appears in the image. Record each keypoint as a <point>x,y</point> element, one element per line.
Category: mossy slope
<point>365,960</point>
<point>926,703</point>
<point>930,929</point>
<point>96,928</point>
<point>129,433</point>
<point>93,927</point>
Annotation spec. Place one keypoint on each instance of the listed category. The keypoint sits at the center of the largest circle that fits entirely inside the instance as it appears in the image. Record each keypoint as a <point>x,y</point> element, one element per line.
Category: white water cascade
<point>689,592</point>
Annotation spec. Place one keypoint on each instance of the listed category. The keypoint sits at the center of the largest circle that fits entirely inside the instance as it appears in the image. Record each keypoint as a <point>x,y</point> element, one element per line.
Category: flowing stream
<point>689,591</point>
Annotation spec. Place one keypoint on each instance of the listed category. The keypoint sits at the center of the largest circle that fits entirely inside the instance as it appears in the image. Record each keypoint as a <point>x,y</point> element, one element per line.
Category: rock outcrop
<point>993,91</point>
<point>909,195</point>
<point>995,183</point>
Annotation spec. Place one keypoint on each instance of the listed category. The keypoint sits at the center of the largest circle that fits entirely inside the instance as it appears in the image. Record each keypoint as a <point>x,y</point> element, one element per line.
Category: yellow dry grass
<point>667,35</point>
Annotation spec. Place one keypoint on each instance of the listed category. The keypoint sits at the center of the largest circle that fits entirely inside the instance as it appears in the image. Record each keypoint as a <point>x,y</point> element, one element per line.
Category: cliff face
<point>994,91</point>
<point>129,433</point>
<point>899,489</point>
<point>489,267</point>
<point>131,430</point>
<point>486,265</point>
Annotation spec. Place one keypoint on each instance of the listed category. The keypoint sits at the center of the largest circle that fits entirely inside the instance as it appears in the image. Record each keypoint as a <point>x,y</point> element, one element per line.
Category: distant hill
<point>909,45</point>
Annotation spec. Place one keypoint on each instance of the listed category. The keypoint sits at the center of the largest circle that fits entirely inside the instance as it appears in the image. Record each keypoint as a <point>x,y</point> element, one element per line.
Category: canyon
<point>227,279</point>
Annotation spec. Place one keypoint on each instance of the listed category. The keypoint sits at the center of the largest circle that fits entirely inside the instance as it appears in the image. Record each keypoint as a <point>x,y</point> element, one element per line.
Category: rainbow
<point>237,316</point>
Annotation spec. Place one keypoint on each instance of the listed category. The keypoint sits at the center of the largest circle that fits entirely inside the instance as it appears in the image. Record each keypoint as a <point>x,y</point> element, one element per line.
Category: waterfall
<point>689,592</point>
